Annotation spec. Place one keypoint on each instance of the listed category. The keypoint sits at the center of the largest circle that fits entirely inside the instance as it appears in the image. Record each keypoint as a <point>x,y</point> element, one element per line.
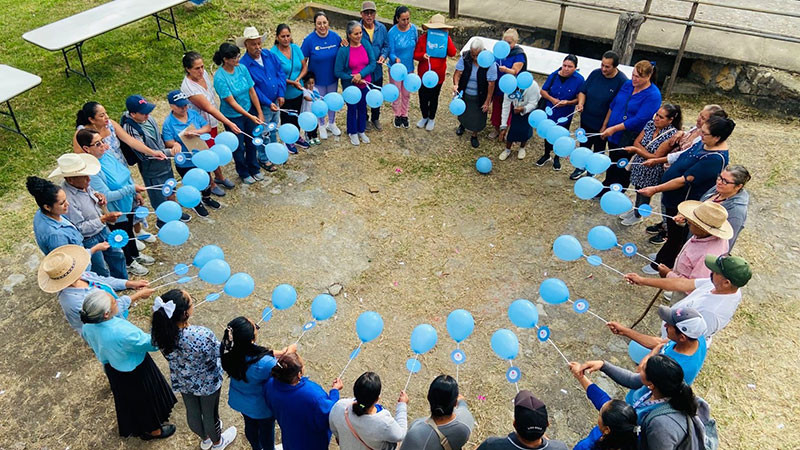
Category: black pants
<point>429,101</point>
<point>374,114</point>
<point>130,249</point>
<point>294,104</point>
<point>616,174</point>
<point>676,237</point>
<point>260,433</point>
<point>595,143</point>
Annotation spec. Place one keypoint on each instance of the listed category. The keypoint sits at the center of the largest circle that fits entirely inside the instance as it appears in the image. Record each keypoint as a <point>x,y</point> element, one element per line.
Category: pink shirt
<point>691,260</point>
<point>358,60</point>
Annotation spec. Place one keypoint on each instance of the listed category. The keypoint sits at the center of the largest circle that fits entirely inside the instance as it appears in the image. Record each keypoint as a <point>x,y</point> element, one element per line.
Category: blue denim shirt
<point>269,79</point>
<point>380,47</point>
<point>71,298</point>
<point>51,234</point>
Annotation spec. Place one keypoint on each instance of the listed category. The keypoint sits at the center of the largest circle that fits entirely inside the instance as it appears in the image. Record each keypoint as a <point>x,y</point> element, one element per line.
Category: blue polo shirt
<point>236,84</point>
<point>633,110</point>
<point>562,90</point>
<point>173,127</point>
<point>599,92</point>
<point>269,78</point>
<point>51,234</point>
<point>321,53</point>
<point>700,163</point>
<point>290,67</point>
<point>402,45</point>
<point>247,397</point>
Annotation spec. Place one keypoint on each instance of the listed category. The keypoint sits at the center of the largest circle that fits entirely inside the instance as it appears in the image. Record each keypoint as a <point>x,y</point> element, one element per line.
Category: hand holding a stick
<point>337,384</point>
<point>403,397</point>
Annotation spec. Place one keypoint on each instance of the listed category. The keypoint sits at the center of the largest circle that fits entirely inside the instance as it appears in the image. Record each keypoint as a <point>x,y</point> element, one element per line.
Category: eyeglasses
<point>724,181</point>
<point>97,144</point>
<point>257,327</point>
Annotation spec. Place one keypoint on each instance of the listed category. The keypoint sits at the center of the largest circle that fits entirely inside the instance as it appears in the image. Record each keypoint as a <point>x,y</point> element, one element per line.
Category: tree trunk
<point>625,37</point>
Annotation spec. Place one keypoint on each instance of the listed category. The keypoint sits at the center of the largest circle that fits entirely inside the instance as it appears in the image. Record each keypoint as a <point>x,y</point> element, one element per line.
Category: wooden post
<point>679,57</point>
<point>453,9</point>
<point>560,28</point>
<point>625,36</point>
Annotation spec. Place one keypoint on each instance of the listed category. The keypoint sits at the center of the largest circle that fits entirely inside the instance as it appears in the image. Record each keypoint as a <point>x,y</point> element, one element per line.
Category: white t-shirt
<point>191,88</point>
<point>379,430</point>
<point>716,309</point>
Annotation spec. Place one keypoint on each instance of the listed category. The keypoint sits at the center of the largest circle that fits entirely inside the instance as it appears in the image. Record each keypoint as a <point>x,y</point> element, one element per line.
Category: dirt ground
<point>435,237</point>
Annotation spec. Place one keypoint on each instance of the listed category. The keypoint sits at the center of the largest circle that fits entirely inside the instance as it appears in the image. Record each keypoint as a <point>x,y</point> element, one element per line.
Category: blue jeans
<point>110,262</point>
<point>245,156</point>
<point>357,114</point>
<point>260,433</point>
<point>269,116</point>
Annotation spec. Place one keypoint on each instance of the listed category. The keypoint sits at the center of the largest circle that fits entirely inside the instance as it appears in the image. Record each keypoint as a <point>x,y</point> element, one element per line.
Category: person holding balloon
<point>378,36</point>
<point>192,352</point>
<point>450,418</point>
<point>518,128</point>
<point>477,84</point>
<point>355,63</point>
<point>402,39</point>
<point>300,405</point>
<point>310,93</point>
<point>320,48</point>
<point>560,91</point>
<point>361,422</point>
<point>295,67</point>
<point>514,63</point>
<point>432,50</point>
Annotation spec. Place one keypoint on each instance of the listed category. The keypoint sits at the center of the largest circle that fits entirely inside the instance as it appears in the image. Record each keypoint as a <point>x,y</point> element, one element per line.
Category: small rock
<point>275,191</point>
<point>373,190</point>
<point>335,289</point>
<point>13,280</point>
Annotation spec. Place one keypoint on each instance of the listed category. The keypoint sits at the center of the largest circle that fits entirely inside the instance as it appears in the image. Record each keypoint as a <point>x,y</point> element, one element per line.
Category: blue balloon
<point>505,344</point>
<point>615,203</point>
<point>508,83</point>
<point>206,160</point>
<point>174,233</point>
<point>289,133</point>
<point>284,296</point>
<point>197,178</point>
<point>351,95</point>
<point>227,139</point>
<point>597,163</point>
<point>544,126</point>
<point>398,71</point>
<point>390,92</point>
<point>484,165</point>
<point>637,351</point>
<point>216,271</point>
<point>460,324</point>
<point>579,156</point>
<point>319,108</point>
<point>188,196</point>
<point>457,107</point>
<point>323,307</point>
<point>334,101</point>
<point>524,81</point>
<point>430,79</point>
<point>412,83</point>
<point>587,187</point>
<point>307,120</point>
<point>239,285</point>
<point>523,313</point>
<point>564,146</point>
<point>423,338</point>
<point>554,291</point>
<point>536,117</point>
<point>169,211</point>
<point>223,152</point>
<point>374,98</point>
<point>501,49</point>
<point>206,254</point>
<point>602,238</point>
<point>567,248</point>
<point>485,59</point>
<point>594,260</point>
<point>556,132</point>
<point>369,325</point>
<point>277,152</point>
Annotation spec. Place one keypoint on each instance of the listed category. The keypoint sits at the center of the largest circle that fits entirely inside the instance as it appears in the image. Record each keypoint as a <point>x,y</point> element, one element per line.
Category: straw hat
<point>250,33</point>
<point>62,267</point>
<point>709,216</point>
<point>436,23</point>
<point>76,165</point>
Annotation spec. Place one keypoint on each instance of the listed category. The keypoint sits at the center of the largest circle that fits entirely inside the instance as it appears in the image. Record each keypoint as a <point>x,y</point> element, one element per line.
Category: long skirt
<point>473,119</point>
<point>142,398</point>
<point>520,130</point>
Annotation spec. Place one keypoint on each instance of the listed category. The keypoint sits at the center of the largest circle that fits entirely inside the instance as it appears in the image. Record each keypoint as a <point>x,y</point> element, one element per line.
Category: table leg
<point>77,48</point>
<point>10,113</point>
<point>170,20</point>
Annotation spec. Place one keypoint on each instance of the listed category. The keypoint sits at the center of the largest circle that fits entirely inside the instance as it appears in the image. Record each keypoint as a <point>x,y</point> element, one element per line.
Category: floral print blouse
<point>194,365</point>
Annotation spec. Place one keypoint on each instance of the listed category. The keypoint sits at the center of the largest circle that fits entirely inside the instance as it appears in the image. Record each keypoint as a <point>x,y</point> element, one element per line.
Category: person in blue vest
<point>515,63</point>
<point>561,92</point>
<point>377,35</point>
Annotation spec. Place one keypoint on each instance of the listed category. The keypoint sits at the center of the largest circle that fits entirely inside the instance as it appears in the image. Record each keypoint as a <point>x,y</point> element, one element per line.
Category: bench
<point>15,82</point>
<point>69,34</point>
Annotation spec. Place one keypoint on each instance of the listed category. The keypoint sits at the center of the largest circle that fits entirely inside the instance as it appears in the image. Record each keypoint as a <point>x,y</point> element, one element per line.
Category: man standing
<point>530,423</point>
<point>377,35</point>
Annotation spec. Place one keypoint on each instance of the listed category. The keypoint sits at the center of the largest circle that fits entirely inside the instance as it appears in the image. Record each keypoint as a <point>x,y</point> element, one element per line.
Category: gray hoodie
<point>737,211</point>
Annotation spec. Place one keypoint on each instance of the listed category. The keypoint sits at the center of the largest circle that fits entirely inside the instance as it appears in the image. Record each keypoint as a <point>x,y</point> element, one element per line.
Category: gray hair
<point>95,305</point>
<point>740,174</point>
<point>715,110</point>
<point>512,34</point>
<point>476,45</point>
<point>352,26</point>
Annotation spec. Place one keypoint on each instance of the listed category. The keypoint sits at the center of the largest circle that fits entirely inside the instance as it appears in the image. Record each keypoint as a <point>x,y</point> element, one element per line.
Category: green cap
<point>735,269</point>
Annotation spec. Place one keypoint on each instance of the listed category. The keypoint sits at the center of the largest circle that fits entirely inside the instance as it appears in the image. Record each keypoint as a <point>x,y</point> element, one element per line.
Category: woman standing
<point>295,67</point>
<point>518,128</point>
<point>240,105</point>
<point>361,422</point>
<point>199,88</point>
<point>429,97</point>
<point>354,66</point>
<point>402,42</point>
<point>142,397</point>
<point>477,84</point>
<point>729,192</point>
<point>320,48</point>
<point>561,92</point>
<point>513,64</point>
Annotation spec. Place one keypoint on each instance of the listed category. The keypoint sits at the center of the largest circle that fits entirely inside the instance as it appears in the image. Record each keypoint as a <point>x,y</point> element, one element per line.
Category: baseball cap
<point>734,268</point>
<point>530,415</point>
<point>137,104</point>
<point>368,6</point>
<point>177,98</point>
<point>687,320</point>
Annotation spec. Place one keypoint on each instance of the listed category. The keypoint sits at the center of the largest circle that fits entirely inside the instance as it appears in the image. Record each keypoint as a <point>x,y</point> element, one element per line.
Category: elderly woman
<point>478,89</point>
<point>354,66</point>
<point>515,63</point>
<point>429,97</point>
<point>561,92</point>
<point>320,48</point>
<point>729,192</point>
<point>377,35</point>
<point>692,175</point>
<point>402,42</point>
<point>294,67</point>
<point>142,397</point>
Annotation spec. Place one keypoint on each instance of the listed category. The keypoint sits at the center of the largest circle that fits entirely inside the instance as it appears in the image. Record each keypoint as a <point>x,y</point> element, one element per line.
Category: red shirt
<point>438,65</point>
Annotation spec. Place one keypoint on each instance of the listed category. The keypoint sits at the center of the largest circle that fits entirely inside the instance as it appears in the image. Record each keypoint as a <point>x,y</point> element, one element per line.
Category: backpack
<point>132,157</point>
<point>707,425</point>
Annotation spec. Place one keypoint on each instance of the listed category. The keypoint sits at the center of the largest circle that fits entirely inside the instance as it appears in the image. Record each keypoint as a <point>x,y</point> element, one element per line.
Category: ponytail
<point>164,330</point>
<point>237,350</point>
<point>87,111</point>
<point>367,390</point>
<point>667,376</point>
<point>45,192</point>
<point>443,395</point>
<point>674,113</point>
<point>226,50</point>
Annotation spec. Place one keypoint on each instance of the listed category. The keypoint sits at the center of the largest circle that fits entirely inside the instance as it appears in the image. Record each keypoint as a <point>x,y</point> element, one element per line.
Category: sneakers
<point>543,160</point>
<point>146,237</point>
<point>376,125</point>
<point>405,121</point>
<point>430,125</point>
<point>259,176</point>
<point>363,137</point>
<point>145,260</point>
<point>211,203</point>
<point>474,141</point>
<point>334,129</point>
<point>627,215</point>
<point>460,130</point>
<point>226,183</point>
<point>631,221</point>
<point>134,268</point>
<point>398,122</point>
<point>206,444</point>
<point>216,190</point>
<point>648,269</point>
<point>292,149</point>
<point>227,437</point>
<point>576,174</point>
<point>667,295</point>
<point>201,210</point>
<point>556,163</point>
<point>504,155</point>
<point>658,239</point>
<point>185,218</point>
<point>302,143</point>
<point>493,134</point>
<point>655,229</point>
<point>521,153</point>
<point>422,122</point>
<point>323,132</point>
<point>316,141</point>
<point>248,180</point>
<point>354,139</point>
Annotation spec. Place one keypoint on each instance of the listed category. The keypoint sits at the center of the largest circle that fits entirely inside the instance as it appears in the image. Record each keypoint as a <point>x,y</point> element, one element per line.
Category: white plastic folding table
<point>70,33</point>
<point>15,82</point>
